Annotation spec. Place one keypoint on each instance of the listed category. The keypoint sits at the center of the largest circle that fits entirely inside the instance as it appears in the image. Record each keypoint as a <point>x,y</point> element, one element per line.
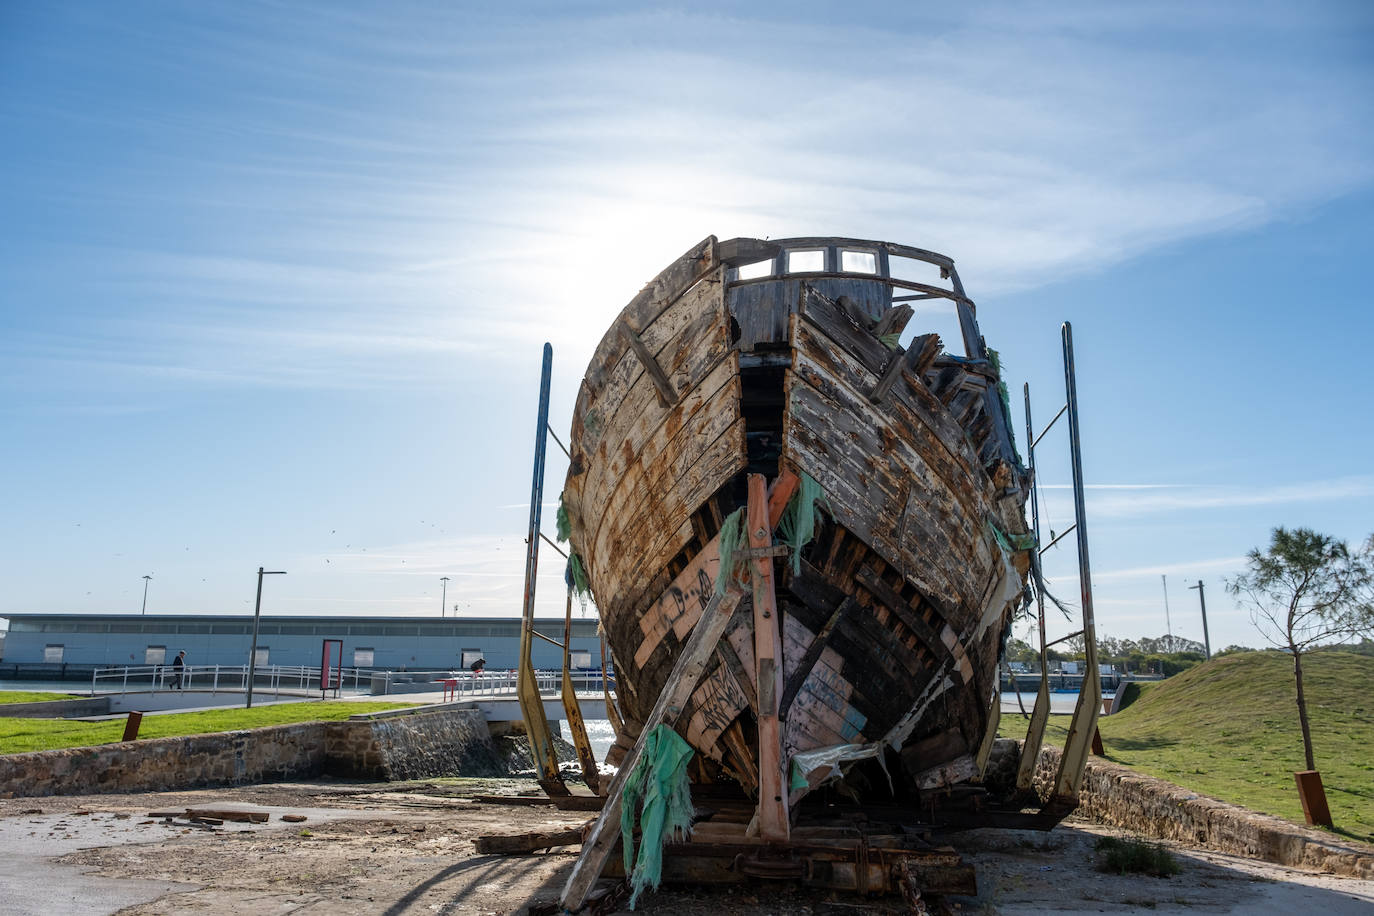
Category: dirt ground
<point>408,848</point>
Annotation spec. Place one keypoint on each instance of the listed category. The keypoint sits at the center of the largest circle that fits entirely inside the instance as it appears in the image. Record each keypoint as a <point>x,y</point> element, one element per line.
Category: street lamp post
<point>253,650</point>
<point>146,580</point>
<point>443,599</point>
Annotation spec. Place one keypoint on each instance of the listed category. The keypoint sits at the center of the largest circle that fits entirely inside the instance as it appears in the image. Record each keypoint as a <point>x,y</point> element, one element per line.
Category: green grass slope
<point>18,735</point>
<point>1229,728</point>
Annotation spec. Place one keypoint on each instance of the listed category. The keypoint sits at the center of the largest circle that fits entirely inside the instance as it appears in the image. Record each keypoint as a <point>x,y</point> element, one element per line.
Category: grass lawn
<point>1229,728</point>
<point>18,735</point>
<point>33,696</point>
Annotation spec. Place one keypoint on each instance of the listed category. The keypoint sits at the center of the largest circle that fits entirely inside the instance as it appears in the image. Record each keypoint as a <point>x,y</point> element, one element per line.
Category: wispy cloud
<point>1185,568</point>
<point>1132,500</point>
<point>516,176</point>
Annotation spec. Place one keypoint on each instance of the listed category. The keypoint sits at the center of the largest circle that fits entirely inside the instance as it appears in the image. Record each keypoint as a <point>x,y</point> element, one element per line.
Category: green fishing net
<point>732,536</point>
<point>656,794</point>
<point>797,527</point>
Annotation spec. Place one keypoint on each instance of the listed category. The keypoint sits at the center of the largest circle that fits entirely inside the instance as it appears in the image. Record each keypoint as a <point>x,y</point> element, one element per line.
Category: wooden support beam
<point>666,395</point>
<point>780,494</point>
<point>773,819</point>
<point>682,680</point>
<point>994,718</point>
<point>590,772</point>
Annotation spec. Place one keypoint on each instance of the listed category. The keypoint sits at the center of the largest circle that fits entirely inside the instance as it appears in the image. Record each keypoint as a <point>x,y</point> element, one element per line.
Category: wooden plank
<point>890,597</point>
<point>740,757</point>
<point>719,701</point>
<point>682,681</point>
<point>730,659</point>
<point>914,360</point>
<point>813,652</point>
<point>667,396</point>
<point>773,819</point>
<point>679,607</point>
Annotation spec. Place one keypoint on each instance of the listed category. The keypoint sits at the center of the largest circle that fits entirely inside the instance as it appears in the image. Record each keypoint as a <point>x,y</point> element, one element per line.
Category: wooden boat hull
<point>891,620</point>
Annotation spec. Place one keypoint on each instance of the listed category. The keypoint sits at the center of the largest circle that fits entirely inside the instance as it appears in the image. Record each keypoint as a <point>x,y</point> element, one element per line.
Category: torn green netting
<point>891,340</point>
<point>576,577</point>
<point>732,536</point>
<point>564,526</point>
<point>1011,542</point>
<point>797,526</point>
<point>658,795</point>
<point>996,359</point>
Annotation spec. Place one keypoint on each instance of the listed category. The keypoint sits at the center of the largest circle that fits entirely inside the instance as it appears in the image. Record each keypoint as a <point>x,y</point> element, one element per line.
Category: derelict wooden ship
<point>773,367</point>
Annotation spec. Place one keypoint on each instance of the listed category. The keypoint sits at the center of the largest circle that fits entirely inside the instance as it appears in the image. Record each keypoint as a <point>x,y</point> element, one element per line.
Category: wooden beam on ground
<point>687,671</point>
<point>515,844</point>
<point>773,820</point>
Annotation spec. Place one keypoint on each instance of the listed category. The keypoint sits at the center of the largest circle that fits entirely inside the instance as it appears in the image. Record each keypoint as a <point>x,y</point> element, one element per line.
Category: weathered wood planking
<point>636,433</point>
<point>689,340</point>
<point>677,610</point>
<point>642,530</point>
<point>717,702</point>
<point>701,416</point>
<point>671,283</point>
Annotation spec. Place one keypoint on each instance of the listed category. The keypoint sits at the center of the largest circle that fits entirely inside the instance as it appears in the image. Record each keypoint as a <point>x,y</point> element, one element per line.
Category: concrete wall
<point>1155,808</point>
<point>430,741</point>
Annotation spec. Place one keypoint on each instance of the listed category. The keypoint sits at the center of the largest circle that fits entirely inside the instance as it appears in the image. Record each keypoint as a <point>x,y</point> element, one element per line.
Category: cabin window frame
<point>871,252</point>
<point>823,251</point>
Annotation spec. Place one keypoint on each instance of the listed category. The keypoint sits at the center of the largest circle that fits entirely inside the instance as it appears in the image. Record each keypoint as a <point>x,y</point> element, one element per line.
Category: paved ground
<point>407,848</point>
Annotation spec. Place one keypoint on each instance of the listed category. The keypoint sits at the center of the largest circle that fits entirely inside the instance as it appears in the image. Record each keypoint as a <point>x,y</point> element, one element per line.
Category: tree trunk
<point>1302,711</point>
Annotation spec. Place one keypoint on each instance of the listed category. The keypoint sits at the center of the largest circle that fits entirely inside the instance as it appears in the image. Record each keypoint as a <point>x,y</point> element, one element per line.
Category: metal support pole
<point>253,648</point>
<point>531,702</point>
<point>1206,640</point>
<point>443,598</point>
<point>146,580</point>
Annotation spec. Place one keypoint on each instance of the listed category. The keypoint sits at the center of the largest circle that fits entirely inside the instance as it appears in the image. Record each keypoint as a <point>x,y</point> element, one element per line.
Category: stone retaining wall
<point>413,745</point>
<point>1151,807</point>
<point>430,741</point>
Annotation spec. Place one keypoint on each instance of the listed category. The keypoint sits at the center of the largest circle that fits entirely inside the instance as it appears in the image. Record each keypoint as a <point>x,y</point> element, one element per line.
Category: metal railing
<point>303,679</point>
<point>216,678</point>
<point>467,685</point>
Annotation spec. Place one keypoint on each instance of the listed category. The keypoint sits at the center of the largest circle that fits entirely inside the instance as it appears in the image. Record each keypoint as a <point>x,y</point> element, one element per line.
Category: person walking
<point>178,669</point>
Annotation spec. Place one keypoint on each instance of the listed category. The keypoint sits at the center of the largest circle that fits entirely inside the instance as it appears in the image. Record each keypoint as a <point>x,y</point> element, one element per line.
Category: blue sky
<point>277,274</point>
